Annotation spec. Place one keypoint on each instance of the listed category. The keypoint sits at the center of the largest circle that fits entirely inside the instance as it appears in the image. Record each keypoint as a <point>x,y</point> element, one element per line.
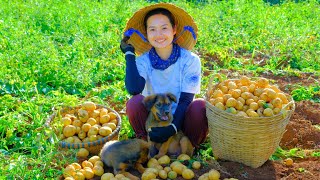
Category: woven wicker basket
<point>247,140</point>
<point>93,147</point>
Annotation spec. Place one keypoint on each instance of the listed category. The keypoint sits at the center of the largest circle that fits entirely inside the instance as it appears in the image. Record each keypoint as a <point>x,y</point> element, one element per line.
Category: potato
<point>66,121</point>
<point>268,112</point>
<point>112,115</point>
<point>105,131</point>
<point>214,174</point>
<point>69,130</point>
<point>231,102</point>
<point>69,171</point>
<point>183,157</point>
<point>196,165</point>
<point>187,174</point>
<point>98,170</point>
<point>105,118</point>
<point>79,176</point>
<point>88,173</point>
<point>163,174</point>
<point>231,110</point>
<point>262,82</point>
<point>86,163</point>
<point>217,93</point>
<point>232,85</point>
<point>93,131</point>
<point>148,176</point>
<point>89,106</point>
<point>94,159</point>
<point>107,176</point>
<point>83,152</point>
<point>219,105</point>
<point>152,163</point>
<point>172,175</point>
<point>92,121</point>
<point>164,160</point>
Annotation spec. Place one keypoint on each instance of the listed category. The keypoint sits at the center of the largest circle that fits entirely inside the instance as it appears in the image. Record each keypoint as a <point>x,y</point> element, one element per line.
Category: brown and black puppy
<point>160,115</point>
<point>121,155</point>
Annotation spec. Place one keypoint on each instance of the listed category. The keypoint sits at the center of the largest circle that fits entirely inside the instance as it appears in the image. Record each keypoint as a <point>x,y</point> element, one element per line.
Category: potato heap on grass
<point>248,98</point>
<point>87,123</point>
<point>87,169</point>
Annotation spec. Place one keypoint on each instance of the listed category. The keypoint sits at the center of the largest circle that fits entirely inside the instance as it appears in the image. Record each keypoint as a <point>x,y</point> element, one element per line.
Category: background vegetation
<point>56,53</point>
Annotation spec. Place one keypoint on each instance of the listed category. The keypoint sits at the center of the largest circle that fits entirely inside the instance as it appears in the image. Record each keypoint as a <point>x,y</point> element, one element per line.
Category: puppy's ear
<point>172,97</point>
<point>149,101</point>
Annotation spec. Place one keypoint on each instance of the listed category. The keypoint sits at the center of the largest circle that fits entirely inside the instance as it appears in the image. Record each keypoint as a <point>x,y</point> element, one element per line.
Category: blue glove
<point>162,134</point>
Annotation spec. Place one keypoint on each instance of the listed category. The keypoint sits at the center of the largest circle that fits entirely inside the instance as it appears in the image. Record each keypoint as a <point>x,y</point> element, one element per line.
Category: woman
<point>162,34</point>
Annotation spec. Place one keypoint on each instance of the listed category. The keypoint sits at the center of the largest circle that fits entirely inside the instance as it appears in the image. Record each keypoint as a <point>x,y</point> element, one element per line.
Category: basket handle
<point>284,111</point>
<point>210,84</point>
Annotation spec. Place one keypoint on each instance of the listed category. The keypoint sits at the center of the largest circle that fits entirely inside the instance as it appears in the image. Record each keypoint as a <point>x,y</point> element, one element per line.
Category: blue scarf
<point>160,64</point>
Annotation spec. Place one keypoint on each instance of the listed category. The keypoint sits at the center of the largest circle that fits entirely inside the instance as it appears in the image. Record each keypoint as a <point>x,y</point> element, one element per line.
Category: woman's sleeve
<point>191,75</point>
<point>133,81</point>
<point>179,115</point>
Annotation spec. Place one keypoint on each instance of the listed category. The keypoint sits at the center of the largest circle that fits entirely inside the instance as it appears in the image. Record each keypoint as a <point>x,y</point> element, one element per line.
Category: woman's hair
<point>159,11</point>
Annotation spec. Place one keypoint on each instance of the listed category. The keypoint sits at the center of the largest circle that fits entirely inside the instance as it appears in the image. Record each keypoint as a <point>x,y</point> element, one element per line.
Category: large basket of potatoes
<point>88,126</point>
<point>246,119</point>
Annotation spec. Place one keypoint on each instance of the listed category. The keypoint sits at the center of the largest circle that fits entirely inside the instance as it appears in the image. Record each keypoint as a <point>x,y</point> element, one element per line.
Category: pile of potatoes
<point>162,168</point>
<point>87,169</point>
<point>248,98</point>
<point>165,168</point>
<point>87,123</point>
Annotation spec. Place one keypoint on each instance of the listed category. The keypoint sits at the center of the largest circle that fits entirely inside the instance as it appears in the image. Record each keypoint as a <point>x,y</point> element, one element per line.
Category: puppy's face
<point>160,105</point>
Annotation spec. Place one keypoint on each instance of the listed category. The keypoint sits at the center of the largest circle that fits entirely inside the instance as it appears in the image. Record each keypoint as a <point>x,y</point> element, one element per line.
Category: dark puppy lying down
<point>160,115</point>
<point>120,155</point>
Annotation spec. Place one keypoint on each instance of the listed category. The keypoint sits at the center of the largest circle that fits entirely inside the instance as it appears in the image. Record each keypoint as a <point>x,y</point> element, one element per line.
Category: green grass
<point>56,53</point>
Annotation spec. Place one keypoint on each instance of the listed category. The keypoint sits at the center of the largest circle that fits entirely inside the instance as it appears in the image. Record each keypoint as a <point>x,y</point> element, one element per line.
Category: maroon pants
<point>195,125</point>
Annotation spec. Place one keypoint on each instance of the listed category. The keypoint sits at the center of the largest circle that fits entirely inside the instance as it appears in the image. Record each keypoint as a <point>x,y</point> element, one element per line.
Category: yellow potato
<point>105,118</point>
<point>148,176</point>
<point>93,131</point>
<point>83,152</point>
<point>183,157</point>
<point>219,105</point>
<point>98,170</point>
<point>94,159</point>
<point>89,106</point>
<point>66,121</point>
<point>217,93</point>
<point>92,121</point>
<point>86,163</point>
<point>88,173</point>
<point>112,115</point>
<point>196,165</point>
<point>69,171</point>
<point>107,176</point>
<point>187,174</point>
<point>164,160</point>
<point>268,112</point>
<point>105,131</point>
<point>69,130</point>
<point>231,102</point>
<point>214,174</point>
<point>163,174</point>
<point>82,134</point>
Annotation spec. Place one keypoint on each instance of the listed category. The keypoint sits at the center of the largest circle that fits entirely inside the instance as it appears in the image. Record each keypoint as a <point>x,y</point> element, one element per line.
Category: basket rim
<point>86,144</point>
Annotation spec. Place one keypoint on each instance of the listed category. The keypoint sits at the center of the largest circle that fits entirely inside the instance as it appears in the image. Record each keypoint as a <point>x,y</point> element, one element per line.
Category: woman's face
<point>160,32</point>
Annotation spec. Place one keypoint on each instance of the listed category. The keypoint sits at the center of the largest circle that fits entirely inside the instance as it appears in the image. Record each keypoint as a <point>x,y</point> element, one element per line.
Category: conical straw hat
<point>186,35</point>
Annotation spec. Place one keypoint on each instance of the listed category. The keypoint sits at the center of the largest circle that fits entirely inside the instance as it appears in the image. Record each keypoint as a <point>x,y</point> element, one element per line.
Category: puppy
<point>160,115</point>
<point>120,155</point>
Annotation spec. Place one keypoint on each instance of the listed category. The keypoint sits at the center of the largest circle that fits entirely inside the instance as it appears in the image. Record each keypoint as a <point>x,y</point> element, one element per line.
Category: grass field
<point>56,53</point>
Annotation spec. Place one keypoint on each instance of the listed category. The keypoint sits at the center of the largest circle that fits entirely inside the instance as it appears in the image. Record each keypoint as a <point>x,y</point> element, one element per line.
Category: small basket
<point>93,147</point>
<point>247,140</point>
